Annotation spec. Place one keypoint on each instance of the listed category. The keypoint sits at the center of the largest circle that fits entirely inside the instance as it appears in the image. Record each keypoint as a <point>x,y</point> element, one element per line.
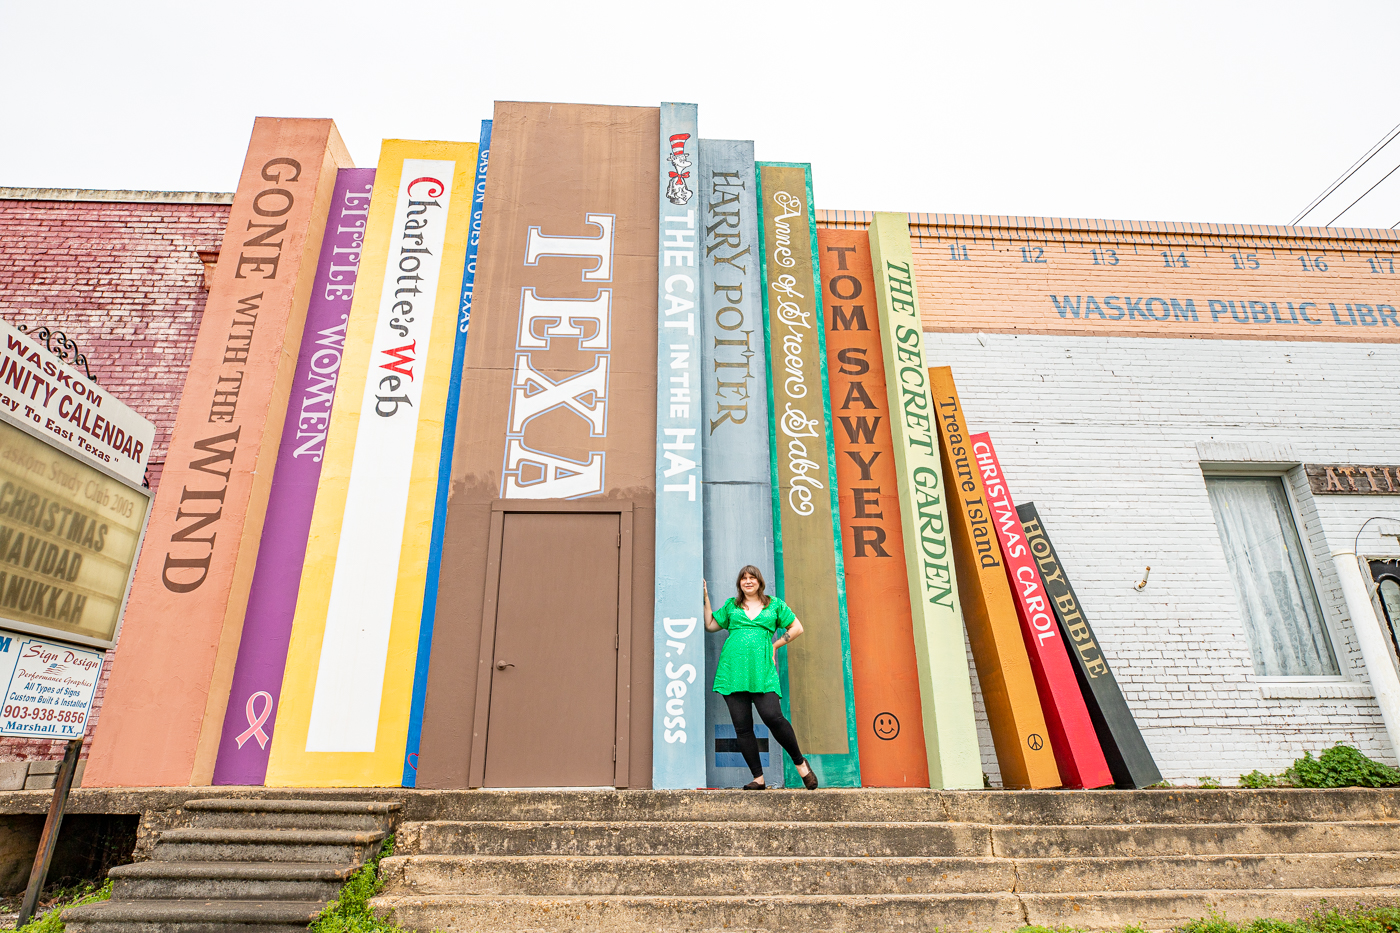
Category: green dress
<point>746,661</point>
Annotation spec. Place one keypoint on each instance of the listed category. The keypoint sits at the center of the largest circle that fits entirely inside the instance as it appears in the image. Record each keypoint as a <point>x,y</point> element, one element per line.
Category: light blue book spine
<point>738,479</point>
<point>678,703</point>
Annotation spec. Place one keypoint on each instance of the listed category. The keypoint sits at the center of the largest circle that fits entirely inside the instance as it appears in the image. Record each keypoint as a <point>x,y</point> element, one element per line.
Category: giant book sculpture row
<point>643,334</point>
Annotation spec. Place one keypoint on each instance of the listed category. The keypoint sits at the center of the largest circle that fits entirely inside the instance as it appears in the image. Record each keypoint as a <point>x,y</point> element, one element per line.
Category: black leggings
<point>770,708</point>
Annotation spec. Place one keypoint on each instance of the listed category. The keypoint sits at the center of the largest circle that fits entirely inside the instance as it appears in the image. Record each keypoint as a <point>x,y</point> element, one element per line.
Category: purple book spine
<point>267,628</point>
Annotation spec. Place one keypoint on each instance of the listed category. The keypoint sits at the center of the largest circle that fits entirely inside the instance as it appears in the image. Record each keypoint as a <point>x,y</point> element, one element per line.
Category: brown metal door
<point>554,671</point>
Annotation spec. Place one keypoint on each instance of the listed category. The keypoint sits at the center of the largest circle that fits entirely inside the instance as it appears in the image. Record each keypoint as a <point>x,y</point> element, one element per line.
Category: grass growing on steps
<point>50,922</point>
<point>1331,920</point>
<point>350,913</point>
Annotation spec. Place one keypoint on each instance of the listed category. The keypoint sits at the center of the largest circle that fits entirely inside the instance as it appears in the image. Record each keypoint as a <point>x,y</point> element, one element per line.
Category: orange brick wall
<point>125,281</point>
<point>1142,279</point>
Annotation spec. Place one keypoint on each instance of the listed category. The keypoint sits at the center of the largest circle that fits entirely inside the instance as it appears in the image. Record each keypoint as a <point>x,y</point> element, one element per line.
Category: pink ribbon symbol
<point>256,720</point>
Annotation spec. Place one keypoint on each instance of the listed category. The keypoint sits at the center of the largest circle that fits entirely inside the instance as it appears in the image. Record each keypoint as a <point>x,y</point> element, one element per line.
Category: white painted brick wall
<point>1103,433</point>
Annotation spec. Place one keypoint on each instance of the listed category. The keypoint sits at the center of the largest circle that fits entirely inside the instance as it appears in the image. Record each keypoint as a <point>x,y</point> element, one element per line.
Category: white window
<point>1282,616</point>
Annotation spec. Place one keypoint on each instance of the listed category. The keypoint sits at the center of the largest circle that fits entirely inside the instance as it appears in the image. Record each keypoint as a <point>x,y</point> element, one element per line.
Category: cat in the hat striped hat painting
<point>677,191</point>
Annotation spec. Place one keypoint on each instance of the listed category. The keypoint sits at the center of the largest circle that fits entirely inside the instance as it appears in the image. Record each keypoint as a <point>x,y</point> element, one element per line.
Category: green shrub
<point>50,921</point>
<point>350,913</point>
<point>1323,920</point>
<point>1341,766</point>
<point>1209,783</point>
<point>1257,779</point>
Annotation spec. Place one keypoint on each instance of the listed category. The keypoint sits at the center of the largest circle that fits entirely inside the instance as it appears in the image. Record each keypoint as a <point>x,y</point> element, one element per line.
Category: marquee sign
<point>72,508</point>
<point>50,397</point>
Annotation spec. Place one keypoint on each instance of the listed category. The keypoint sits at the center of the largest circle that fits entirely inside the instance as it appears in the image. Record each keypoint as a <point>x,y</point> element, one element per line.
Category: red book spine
<point>1077,751</point>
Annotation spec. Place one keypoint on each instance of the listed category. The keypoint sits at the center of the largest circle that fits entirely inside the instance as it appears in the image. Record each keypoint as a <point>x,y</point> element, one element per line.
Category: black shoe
<point>754,785</point>
<point>809,780</point>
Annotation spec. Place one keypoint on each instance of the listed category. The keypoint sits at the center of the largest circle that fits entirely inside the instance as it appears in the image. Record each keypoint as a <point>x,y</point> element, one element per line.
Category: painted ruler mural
<point>805,507</point>
<point>950,728</point>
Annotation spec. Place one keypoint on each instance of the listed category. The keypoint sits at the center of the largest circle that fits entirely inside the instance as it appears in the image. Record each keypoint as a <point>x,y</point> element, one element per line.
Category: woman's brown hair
<point>751,571</point>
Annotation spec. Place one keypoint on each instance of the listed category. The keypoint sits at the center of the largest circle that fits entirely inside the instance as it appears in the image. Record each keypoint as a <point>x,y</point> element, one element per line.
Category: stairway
<point>869,861</point>
<point>249,866</point>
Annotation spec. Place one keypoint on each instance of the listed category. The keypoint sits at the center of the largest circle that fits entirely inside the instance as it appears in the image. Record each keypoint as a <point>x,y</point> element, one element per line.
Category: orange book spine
<point>889,719</point>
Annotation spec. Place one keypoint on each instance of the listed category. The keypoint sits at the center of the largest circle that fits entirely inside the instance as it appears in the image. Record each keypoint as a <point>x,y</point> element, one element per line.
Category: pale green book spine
<point>945,686</point>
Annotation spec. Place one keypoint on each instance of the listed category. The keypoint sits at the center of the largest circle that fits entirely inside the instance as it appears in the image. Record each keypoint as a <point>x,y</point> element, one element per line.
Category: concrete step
<point>1193,839</point>
<point>731,839</point>
<point>246,881</point>
<point>699,876</point>
<point>186,916</point>
<point>888,839</point>
<point>549,875</point>
<point>1154,910</point>
<point>267,845</point>
<point>1288,805</point>
<point>350,815</point>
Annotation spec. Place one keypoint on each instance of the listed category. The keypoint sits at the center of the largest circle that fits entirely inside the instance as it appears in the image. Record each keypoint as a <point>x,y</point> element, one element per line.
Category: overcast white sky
<point>1220,111</point>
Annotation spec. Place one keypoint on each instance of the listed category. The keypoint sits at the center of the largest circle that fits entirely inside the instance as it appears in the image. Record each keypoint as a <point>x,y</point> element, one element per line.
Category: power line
<point>1370,154</point>
<point>1363,194</point>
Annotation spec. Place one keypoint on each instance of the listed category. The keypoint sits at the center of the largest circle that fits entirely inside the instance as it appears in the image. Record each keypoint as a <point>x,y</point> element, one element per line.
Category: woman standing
<point>747,672</point>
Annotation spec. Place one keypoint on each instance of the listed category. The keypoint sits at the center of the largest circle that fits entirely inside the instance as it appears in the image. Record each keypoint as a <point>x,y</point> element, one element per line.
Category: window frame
<point>1330,613</point>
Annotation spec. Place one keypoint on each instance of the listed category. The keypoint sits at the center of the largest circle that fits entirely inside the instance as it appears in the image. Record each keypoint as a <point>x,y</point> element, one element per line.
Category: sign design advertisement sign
<point>49,687</point>
<point>351,662</point>
<point>678,720</point>
<point>810,576</point>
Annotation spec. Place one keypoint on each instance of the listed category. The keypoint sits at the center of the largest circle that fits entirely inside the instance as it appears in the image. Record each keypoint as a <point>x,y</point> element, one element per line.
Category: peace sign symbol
<point>1035,742</point>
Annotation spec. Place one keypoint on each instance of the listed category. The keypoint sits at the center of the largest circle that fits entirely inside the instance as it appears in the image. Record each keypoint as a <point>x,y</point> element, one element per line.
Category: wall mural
<point>622,335</point>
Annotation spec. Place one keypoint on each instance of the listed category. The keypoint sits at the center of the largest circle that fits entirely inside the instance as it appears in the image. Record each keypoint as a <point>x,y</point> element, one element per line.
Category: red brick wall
<point>125,281</point>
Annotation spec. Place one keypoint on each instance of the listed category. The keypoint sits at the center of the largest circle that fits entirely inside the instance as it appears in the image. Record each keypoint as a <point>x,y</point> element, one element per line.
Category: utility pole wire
<point>1370,154</point>
<point>1363,194</point>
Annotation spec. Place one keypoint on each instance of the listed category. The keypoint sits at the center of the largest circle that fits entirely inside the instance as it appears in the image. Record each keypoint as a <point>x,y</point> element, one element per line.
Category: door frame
<point>622,508</point>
